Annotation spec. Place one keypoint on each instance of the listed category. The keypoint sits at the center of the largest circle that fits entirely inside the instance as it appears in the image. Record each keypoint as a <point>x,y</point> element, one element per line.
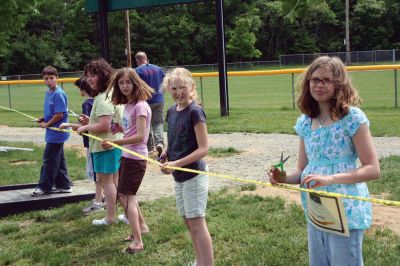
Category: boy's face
<point>51,81</point>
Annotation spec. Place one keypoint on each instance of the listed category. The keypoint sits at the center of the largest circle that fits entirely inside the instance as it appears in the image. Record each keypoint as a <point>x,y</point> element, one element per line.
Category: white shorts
<point>191,196</point>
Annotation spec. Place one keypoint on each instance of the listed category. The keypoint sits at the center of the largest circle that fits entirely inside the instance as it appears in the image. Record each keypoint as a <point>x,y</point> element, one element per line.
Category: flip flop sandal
<point>129,250</point>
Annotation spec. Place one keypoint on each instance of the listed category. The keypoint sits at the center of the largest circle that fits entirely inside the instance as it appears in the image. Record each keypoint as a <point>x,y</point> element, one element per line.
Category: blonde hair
<point>141,91</point>
<point>345,94</point>
<point>179,77</point>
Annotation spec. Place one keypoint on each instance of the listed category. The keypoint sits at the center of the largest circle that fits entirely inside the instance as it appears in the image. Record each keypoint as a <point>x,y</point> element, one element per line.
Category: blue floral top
<point>330,150</point>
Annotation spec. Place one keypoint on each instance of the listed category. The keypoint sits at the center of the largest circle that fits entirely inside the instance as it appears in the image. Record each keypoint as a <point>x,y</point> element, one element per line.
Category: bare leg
<point>201,239</point>
<point>110,192</point>
<point>99,191</point>
<point>144,229</point>
<point>133,217</point>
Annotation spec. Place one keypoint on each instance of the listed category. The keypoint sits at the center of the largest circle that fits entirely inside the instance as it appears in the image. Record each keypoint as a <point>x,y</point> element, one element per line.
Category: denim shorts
<point>106,162</point>
<point>191,196</point>
<point>329,249</point>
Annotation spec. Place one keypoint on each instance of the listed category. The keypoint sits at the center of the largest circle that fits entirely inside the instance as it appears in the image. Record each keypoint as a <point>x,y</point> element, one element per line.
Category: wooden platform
<point>17,198</point>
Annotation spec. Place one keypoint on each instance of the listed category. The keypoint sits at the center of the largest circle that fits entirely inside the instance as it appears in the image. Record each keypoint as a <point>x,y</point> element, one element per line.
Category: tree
<point>242,41</point>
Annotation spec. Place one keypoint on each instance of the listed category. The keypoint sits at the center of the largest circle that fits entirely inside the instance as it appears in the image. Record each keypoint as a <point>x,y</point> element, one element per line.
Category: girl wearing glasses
<point>334,133</point>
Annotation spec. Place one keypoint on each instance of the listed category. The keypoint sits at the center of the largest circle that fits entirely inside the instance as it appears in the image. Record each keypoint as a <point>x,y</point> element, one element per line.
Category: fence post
<point>395,88</point>
<point>62,85</point>
<point>394,56</point>
<point>201,90</point>
<point>293,90</point>
<point>9,96</point>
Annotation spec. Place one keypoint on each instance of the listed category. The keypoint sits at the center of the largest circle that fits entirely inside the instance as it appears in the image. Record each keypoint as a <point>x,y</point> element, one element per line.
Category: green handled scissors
<point>282,162</point>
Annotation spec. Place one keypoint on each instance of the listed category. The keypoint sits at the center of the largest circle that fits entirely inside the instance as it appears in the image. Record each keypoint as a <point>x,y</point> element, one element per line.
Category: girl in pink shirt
<point>130,90</point>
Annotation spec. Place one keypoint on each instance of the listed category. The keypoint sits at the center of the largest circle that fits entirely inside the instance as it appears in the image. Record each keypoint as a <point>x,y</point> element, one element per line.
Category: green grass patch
<point>222,152</point>
<point>388,185</point>
<point>246,230</point>
<point>19,167</point>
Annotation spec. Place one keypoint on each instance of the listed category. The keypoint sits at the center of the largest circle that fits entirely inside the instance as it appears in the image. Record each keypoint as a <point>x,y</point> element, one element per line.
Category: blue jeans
<point>156,135</point>
<point>327,249</point>
<point>54,169</point>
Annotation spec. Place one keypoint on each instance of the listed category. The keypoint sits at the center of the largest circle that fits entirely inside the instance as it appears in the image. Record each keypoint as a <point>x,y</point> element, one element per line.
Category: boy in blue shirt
<point>54,174</point>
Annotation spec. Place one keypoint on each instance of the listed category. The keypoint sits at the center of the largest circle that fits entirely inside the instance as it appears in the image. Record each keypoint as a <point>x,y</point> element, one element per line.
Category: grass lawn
<point>259,104</point>
<point>246,229</point>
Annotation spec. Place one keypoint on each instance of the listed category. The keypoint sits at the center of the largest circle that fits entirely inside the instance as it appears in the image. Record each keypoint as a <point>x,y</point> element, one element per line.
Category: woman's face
<point>93,81</point>
<point>322,85</point>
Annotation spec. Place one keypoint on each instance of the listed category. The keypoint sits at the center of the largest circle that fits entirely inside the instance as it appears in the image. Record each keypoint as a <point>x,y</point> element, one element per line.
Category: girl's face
<point>182,94</point>
<point>93,81</point>
<point>322,85</point>
<point>126,86</point>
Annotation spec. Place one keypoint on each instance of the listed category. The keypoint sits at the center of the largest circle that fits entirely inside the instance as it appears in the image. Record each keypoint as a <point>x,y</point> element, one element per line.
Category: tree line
<point>35,33</point>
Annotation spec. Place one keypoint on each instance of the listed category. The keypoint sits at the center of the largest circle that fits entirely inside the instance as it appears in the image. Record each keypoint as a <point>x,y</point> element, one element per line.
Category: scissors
<point>282,162</point>
<point>72,113</point>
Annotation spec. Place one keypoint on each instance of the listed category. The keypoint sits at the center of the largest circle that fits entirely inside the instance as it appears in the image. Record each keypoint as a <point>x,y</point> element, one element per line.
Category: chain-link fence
<point>251,92</point>
<point>351,58</point>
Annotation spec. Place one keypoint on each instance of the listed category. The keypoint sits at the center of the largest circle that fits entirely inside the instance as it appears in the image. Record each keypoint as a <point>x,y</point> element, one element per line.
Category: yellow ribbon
<point>223,176</point>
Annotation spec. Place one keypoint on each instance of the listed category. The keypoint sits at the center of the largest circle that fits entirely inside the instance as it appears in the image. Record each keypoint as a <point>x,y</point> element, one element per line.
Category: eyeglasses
<point>324,81</point>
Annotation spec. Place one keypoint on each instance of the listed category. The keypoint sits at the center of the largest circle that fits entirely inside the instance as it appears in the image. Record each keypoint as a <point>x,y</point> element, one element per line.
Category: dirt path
<point>259,151</point>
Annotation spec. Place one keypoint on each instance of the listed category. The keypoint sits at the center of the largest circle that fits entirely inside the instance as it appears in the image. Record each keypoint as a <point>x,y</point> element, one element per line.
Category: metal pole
<point>348,56</point>
<point>9,95</point>
<point>128,40</point>
<point>223,81</point>
<point>201,90</point>
<point>293,103</point>
<point>395,88</point>
<point>103,22</point>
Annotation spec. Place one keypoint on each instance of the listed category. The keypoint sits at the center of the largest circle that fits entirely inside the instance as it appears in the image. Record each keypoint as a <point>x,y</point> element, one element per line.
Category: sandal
<point>130,250</point>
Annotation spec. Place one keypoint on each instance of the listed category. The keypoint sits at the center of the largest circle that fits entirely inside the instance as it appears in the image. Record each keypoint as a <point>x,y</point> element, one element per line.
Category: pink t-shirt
<point>130,116</point>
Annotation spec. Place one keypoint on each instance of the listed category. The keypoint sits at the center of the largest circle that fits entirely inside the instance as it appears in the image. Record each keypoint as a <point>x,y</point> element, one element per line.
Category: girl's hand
<point>116,128</point>
<point>163,157</point>
<point>81,130</point>
<point>168,171</point>
<point>83,119</point>
<point>106,145</point>
<point>64,125</point>
<point>318,181</point>
<point>276,176</point>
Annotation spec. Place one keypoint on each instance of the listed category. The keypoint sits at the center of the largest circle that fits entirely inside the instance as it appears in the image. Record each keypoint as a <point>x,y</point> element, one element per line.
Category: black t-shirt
<point>86,109</point>
<point>182,137</point>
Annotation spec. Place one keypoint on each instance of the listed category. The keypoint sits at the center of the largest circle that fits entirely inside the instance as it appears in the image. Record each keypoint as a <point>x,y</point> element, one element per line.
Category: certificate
<point>327,214</point>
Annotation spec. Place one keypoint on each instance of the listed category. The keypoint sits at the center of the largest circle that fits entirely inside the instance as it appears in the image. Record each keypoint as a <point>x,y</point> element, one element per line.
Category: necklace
<point>322,122</point>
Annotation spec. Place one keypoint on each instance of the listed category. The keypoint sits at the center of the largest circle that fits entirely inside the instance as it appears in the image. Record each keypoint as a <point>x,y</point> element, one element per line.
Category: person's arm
<point>56,117</point>
<point>67,125</point>
<point>139,137</point>
<point>200,130</point>
<point>102,126</point>
<point>369,170</point>
<point>295,176</point>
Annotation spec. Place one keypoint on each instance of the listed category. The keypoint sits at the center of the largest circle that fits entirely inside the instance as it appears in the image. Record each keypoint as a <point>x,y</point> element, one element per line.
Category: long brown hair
<point>345,94</point>
<point>141,91</point>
